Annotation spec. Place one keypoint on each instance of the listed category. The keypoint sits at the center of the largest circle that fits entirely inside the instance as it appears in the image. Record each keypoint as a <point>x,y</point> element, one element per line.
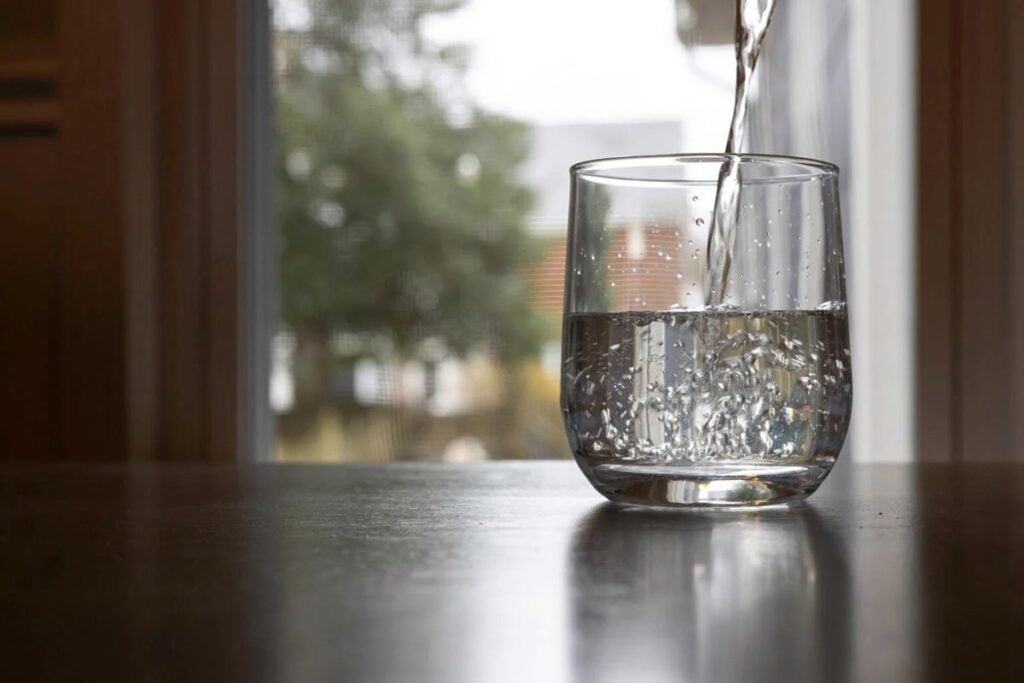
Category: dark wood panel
<point>28,30</point>
<point>141,103</point>
<point>183,250</point>
<point>140,204</point>
<point>28,115</point>
<point>29,231</point>
<point>28,296</point>
<point>985,385</point>
<point>1014,27</point>
<point>970,388</point>
<point>91,266</point>
<point>28,66</point>
<point>201,301</point>
<point>223,132</point>
<point>938,211</point>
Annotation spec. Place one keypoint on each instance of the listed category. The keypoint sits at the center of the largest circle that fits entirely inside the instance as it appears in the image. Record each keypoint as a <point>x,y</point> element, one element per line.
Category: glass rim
<point>591,169</point>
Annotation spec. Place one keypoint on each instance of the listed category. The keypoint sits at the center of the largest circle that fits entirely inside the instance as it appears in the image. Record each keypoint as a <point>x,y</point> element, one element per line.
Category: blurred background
<point>333,230</point>
<point>422,194</point>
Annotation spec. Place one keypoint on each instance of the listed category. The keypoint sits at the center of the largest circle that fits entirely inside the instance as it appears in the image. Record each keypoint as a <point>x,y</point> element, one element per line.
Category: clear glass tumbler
<point>670,401</point>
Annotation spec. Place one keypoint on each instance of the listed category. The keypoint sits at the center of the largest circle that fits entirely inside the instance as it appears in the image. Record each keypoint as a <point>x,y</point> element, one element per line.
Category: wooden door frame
<point>970,248</point>
<point>155,359</point>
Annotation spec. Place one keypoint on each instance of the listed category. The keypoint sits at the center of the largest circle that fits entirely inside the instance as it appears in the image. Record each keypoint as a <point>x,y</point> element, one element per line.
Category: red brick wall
<point>666,266</point>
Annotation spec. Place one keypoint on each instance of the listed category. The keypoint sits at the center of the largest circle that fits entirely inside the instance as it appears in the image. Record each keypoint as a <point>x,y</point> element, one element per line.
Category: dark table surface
<point>503,571</point>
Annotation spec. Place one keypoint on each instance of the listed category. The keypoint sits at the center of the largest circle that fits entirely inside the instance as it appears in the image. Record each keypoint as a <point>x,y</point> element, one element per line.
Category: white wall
<point>882,233</point>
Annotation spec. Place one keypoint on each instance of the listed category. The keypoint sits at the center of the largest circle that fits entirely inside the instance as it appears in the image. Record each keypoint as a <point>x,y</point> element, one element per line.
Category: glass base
<point>705,486</point>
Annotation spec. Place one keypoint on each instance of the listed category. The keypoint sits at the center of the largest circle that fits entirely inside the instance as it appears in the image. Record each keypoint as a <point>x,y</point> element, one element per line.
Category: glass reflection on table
<point>759,595</point>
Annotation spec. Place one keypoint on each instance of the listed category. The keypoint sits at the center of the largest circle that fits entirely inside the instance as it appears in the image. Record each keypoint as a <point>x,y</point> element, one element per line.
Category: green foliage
<point>398,219</point>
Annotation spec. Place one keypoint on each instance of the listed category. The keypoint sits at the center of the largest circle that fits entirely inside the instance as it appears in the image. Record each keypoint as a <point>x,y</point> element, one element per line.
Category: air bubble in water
<point>833,306</point>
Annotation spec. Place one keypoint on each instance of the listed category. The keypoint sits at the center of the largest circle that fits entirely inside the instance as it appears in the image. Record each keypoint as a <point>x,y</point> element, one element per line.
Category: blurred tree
<point>401,215</point>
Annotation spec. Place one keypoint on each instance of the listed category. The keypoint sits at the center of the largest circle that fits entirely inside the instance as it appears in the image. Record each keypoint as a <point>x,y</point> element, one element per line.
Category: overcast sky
<point>583,61</point>
<point>569,61</point>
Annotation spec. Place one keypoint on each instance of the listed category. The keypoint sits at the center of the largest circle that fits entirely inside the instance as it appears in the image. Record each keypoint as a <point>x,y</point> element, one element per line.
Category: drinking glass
<point>671,401</point>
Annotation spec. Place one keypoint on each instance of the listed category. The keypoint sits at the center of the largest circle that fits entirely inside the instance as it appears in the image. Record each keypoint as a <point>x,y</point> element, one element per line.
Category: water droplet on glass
<point>700,222</point>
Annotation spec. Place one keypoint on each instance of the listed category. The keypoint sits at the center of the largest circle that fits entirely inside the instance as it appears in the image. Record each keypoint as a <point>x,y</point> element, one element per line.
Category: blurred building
<point>546,171</point>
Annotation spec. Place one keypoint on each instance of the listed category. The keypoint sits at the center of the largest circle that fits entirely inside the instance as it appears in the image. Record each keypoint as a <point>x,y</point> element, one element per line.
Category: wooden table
<point>502,572</point>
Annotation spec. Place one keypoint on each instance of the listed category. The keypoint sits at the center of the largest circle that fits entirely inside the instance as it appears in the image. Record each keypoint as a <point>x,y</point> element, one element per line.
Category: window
<point>422,188</point>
